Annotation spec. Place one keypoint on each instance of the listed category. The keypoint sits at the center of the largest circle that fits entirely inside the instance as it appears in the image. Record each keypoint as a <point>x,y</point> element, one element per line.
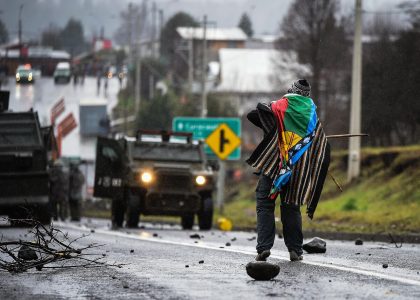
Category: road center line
<point>252,253</point>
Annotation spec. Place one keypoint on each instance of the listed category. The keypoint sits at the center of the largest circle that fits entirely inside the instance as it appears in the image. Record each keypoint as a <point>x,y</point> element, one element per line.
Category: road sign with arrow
<point>223,141</point>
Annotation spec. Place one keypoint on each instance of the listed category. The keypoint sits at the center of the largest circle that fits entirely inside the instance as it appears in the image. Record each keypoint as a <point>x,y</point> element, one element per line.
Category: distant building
<point>102,44</point>
<point>249,76</point>
<point>262,42</point>
<point>190,45</point>
<point>42,58</point>
<point>217,38</point>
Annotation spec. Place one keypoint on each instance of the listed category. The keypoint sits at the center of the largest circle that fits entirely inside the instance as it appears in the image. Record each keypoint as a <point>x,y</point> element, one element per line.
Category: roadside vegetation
<point>386,198</point>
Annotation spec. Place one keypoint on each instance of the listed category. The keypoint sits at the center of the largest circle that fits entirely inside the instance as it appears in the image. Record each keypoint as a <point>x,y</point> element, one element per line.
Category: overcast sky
<point>266,15</point>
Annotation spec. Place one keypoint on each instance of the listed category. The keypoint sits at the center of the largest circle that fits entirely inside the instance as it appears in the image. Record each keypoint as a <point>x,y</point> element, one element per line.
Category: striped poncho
<point>294,152</point>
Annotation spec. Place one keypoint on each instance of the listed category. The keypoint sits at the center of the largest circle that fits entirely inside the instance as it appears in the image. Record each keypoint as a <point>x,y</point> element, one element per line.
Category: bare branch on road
<point>47,247</point>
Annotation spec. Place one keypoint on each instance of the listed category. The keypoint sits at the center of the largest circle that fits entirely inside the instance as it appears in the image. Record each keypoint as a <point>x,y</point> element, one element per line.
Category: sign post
<point>222,142</point>
<point>202,128</point>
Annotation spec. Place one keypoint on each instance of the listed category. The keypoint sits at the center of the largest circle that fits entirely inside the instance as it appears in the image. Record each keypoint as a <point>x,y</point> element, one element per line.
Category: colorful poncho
<point>296,121</point>
<point>295,145</point>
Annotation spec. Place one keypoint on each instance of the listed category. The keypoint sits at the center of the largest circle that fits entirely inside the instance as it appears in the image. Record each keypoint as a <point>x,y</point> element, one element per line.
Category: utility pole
<point>153,39</point>
<point>222,164</point>
<point>130,59</point>
<point>160,28</point>
<point>353,170</point>
<point>137,90</point>
<point>20,30</point>
<point>190,61</point>
<point>204,71</point>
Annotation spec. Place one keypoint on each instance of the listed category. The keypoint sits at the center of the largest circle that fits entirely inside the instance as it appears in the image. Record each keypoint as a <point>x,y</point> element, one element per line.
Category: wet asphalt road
<point>157,268</point>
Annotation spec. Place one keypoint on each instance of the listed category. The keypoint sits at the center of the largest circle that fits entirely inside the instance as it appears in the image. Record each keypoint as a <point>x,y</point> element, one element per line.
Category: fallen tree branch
<point>347,135</point>
<point>47,245</point>
<point>335,181</point>
<point>393,241</point>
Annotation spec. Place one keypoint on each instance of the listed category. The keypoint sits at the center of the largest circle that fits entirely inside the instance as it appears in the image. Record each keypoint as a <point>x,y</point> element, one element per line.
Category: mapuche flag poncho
<point>294,152</point>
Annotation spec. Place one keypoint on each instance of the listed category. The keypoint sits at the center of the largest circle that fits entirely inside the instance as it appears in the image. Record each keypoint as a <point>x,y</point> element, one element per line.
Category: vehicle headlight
<point>200,180</point>
<point>30,76</point>
<point>146,177</point>
<point>17,76</point>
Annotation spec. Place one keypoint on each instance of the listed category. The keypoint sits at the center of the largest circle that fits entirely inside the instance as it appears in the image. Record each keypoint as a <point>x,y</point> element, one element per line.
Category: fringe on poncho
<point>308,172</point>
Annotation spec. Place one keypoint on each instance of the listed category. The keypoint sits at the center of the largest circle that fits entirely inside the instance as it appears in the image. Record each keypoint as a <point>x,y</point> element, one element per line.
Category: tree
<point>157,113</point>
<point>412,9</point>
<point>310,28</point>
<point>406,107</point>
<point>4,35</point>
<point>72,37</point>
<point>219,106</point>
<point>133,23</point>
<point>173,56</point>
<point>390,110</point>
<point>51,38</point>
<point>246,25</point>
<point>169,34</point>
<point>378,92</point>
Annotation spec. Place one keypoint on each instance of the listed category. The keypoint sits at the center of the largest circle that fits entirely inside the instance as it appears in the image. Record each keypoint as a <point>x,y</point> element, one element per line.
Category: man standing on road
<point>59,190</point>
<point>76,181</point>
<point>292,161</point>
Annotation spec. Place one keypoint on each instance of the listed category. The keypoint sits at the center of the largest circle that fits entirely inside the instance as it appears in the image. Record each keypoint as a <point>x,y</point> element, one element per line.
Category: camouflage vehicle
<point>24,150</point>
<point>156,173</point>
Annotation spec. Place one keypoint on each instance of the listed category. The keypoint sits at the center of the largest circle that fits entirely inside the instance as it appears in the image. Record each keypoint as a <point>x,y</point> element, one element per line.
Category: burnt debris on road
<point>47,247</point>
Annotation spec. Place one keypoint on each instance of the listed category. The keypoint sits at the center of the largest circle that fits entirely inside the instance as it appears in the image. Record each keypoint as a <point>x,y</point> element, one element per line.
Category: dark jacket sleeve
<point>253,117</point>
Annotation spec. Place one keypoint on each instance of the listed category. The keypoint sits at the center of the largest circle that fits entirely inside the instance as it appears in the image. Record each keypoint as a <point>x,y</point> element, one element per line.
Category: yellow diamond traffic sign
<point>223,141</point>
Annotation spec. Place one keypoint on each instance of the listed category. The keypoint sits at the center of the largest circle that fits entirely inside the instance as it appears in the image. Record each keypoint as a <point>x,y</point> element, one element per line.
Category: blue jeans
<point>266,228</point>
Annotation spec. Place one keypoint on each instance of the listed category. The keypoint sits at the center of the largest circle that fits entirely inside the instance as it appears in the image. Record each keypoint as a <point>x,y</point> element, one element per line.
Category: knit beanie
<point>301,87</point>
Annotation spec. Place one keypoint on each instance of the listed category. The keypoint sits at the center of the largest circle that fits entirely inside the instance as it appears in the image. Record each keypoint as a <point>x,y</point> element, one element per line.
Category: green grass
<point>386,198</point>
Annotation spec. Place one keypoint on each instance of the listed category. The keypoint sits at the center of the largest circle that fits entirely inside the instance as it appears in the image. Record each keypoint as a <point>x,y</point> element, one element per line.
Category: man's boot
<point>294,256</point>
<point>262,256</point>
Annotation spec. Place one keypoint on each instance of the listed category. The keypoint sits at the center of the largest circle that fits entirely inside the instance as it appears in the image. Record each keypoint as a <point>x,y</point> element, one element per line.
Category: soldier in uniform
<point>76,181</point>
<point>59,190</point>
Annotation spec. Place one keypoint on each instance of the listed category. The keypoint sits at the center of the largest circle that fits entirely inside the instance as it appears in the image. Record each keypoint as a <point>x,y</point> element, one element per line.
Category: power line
<point>384,12</point>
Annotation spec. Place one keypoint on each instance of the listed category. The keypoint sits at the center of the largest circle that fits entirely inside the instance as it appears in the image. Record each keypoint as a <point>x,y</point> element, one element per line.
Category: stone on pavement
<point>262,270</point>
<point>27,253</point>
<point>195,236</point>
<point>316,245</point>
<point>358,242</point>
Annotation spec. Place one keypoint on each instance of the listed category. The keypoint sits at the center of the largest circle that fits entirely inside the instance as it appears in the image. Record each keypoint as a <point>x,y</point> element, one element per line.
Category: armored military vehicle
<point>24,149</point>
<point>155,173</point>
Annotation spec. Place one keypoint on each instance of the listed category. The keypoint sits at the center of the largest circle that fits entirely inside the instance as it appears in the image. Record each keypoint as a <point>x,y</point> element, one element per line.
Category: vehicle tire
<point>187,222</point>
<point>133,212</point>
<point>205,216</point>
<point>117,212</point>
<point>19,217</point>
<point>43,215</point>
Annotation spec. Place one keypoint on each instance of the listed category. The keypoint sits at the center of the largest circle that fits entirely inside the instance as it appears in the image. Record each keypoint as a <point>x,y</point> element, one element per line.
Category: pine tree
<point>246,25</point>
<point>4,35</point>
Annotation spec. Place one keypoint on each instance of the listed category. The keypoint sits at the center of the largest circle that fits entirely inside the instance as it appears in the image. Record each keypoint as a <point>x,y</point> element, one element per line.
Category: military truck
<point>24,150</point>
<point>155,173</point>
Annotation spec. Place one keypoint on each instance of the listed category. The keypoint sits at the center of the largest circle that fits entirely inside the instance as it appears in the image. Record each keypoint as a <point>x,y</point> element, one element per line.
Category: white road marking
<point>358,270</point>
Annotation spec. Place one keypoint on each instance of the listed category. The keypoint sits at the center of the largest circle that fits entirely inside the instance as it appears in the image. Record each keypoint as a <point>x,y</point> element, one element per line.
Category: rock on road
<point>157,268</point>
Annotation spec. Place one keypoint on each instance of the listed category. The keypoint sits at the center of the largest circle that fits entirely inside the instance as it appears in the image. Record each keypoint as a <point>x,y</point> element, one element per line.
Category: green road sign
<point>202,128</point>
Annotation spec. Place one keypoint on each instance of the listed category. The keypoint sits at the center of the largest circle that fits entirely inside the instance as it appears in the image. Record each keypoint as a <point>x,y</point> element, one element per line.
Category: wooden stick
<point>348,135</point>
<point>335,181</point>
